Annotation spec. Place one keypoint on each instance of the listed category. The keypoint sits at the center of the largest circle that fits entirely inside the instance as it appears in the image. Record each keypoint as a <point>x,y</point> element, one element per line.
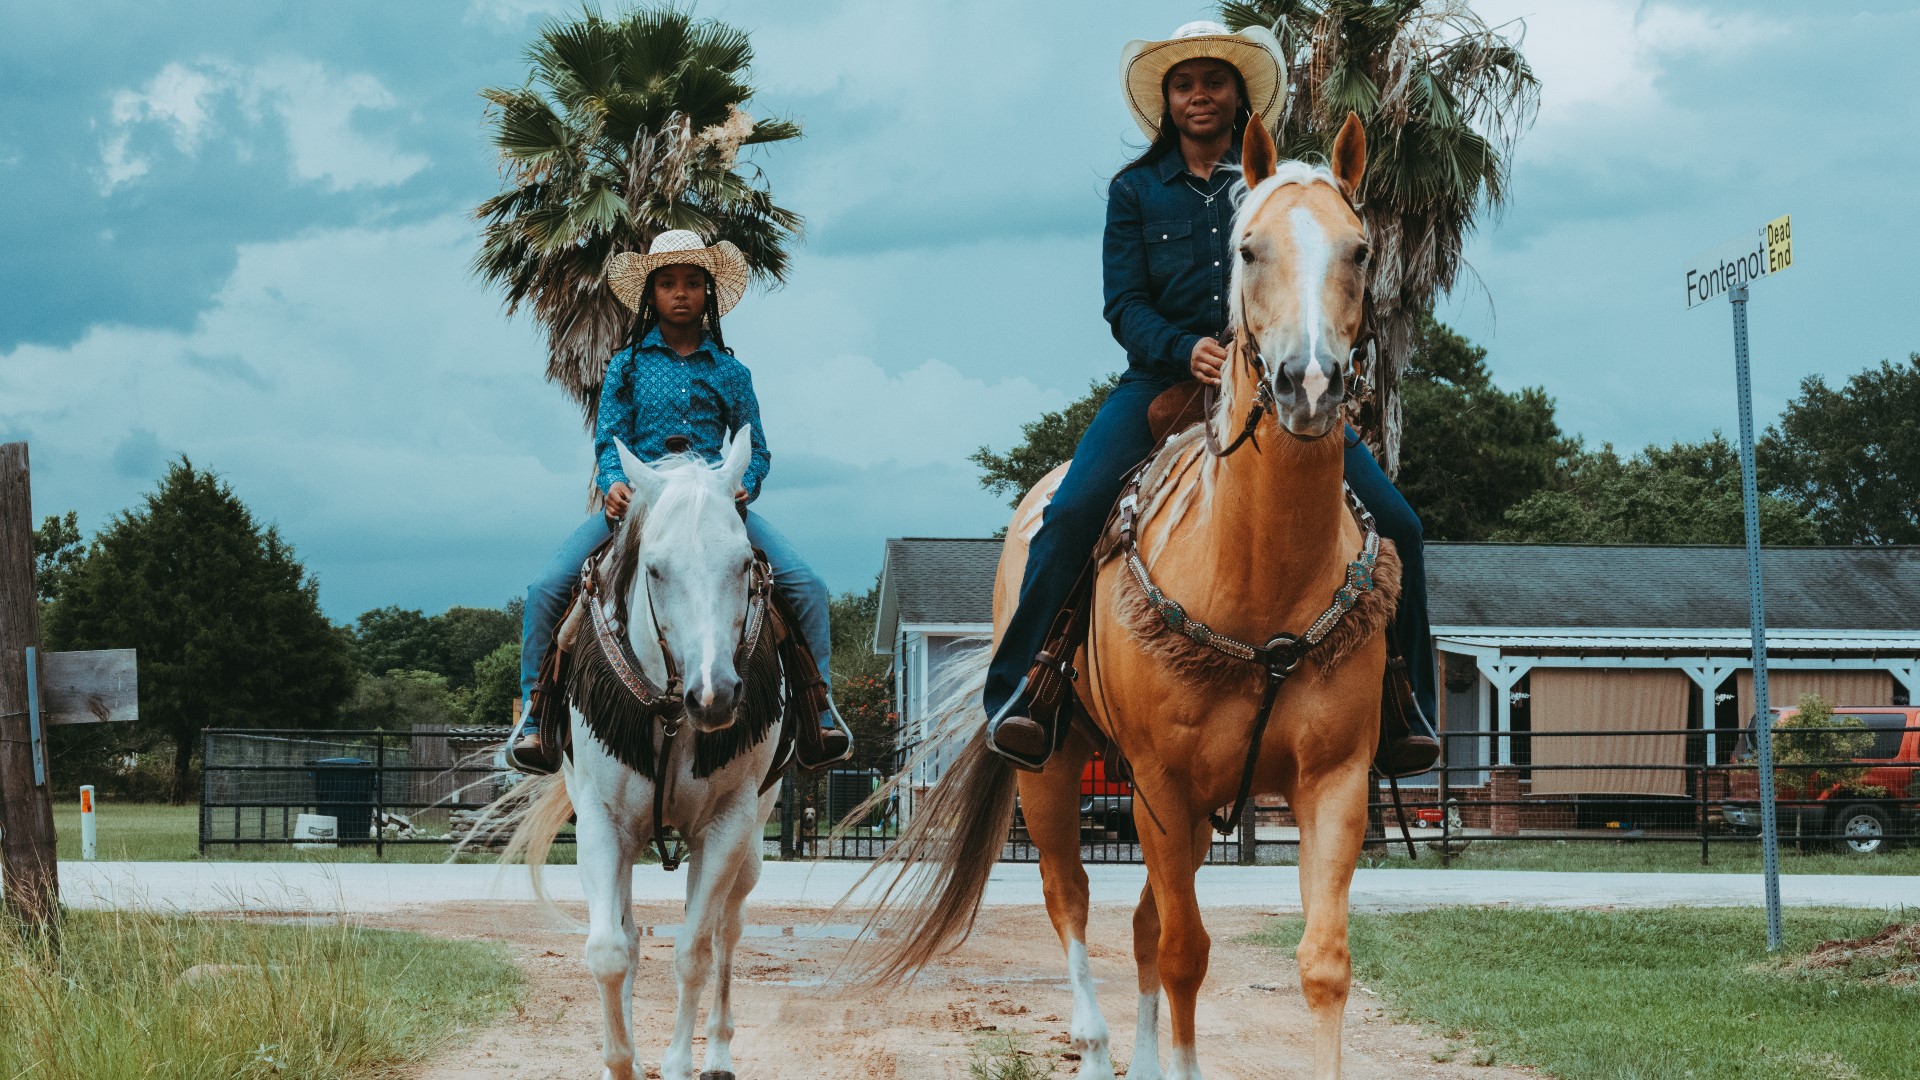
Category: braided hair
<point>648,317</point>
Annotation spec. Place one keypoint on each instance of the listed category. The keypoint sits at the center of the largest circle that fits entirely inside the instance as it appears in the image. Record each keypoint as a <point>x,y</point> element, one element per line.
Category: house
<point>1540,638</point>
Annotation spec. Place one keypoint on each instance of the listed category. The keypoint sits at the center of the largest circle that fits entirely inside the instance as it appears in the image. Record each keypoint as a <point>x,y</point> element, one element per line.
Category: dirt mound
<point>1890,957</point>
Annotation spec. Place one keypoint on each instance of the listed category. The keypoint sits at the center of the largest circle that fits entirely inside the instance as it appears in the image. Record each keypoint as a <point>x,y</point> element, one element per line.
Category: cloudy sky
<point>238,231</point>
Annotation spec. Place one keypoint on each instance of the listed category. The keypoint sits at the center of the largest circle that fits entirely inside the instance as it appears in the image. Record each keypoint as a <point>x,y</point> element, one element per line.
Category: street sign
<point>93,687</point>
<point>1730,269</point>
<point>1740,261</point>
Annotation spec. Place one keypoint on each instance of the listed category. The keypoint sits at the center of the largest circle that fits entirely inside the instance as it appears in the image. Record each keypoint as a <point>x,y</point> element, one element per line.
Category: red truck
<point>1860,824</point>
<point>1106,805</point>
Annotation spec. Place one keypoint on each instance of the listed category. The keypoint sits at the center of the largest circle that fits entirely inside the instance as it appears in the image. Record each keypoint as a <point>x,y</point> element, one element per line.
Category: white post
<point>88,835</point>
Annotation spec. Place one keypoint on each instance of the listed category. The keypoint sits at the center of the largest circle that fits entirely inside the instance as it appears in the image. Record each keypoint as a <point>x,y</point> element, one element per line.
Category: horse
<point>681,563</point>
<point>1252,539</point>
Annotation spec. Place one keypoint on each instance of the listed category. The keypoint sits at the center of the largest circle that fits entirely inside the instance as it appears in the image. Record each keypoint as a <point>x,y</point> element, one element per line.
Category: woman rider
<point>677,388</point>
<point>1167,269</point>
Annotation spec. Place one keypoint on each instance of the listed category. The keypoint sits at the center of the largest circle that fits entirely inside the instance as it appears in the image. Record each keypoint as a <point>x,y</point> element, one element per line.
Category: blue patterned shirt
<point>652,393</point>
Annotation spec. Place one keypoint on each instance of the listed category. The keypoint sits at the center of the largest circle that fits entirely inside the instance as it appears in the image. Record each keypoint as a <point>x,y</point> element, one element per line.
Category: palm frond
<point>627,126</point>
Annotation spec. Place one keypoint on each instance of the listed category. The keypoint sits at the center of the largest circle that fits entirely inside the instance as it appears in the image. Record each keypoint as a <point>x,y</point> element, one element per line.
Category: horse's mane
<point>680,507</point>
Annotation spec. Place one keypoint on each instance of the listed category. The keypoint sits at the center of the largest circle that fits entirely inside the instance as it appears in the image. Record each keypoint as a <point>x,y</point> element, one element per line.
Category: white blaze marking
<point>1310,244</point>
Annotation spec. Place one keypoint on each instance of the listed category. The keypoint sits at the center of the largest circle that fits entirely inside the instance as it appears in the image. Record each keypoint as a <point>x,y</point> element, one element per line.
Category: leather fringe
<point>628,729</point>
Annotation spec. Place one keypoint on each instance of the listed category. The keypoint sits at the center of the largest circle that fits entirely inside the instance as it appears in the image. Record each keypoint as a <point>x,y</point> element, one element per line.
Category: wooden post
<point>27,858</point>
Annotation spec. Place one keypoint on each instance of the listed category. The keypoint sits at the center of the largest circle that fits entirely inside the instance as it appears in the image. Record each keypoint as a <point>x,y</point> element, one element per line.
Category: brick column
<point>1506,788</point>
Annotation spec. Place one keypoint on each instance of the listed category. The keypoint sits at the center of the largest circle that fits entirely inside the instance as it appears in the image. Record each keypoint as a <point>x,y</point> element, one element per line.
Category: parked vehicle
<point>1856,820</point>
<point>1106,804</point>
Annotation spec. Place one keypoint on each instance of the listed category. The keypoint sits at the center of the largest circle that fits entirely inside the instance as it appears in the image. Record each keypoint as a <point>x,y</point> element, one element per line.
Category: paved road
<point>223,886</point>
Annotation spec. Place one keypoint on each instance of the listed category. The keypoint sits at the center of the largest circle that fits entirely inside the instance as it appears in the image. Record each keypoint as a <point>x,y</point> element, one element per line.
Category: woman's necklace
<point>1207,195</point>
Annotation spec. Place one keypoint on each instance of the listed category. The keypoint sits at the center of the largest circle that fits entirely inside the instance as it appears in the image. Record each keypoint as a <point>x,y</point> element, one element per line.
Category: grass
<point>1630,856</point>
<point>1643,995</point>
<point>157,832</point>
<point>1005,1058</point>
<point>313,1001</point>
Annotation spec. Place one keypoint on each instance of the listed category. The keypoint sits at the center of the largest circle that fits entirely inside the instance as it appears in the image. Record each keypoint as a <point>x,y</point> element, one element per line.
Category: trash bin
<point>343,790</point>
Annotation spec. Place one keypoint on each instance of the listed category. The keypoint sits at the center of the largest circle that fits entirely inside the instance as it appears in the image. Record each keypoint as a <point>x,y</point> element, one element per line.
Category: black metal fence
<point>380,788</point>
<point>423,787</point>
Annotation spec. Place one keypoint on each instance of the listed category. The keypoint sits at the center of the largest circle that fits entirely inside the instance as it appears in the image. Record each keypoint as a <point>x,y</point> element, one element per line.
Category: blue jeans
<point>1115,442</point>
<point>802,589</point>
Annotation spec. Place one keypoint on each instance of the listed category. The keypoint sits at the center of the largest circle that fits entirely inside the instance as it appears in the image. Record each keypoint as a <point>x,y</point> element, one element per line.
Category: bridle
<point>1247,345</point>
<point>665,704</point>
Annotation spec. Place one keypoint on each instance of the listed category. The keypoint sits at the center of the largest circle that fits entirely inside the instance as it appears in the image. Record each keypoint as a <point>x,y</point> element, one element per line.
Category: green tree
<point>57,554</point>
<point>1445,98</point>
<point>496,685</point>
<point>226,621</point>
<point>626,127</point>
<point>1045,443</point>
<point>1687,493</point>
<point>1850,458</point>
<point>470,635</point>
<point>400,699</point>
<point>1472,450</point>
<point>448,644</point>
<point>863,679</point>
<point>1821,759</point>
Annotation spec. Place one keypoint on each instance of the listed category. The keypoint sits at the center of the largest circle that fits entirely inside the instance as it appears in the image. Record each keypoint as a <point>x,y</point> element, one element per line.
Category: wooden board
<point>98,686</point>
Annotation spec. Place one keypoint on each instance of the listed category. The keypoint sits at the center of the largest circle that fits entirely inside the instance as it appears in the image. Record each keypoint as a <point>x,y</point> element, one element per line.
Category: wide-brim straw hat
<point>1254,52</point>
<point>627,272</point>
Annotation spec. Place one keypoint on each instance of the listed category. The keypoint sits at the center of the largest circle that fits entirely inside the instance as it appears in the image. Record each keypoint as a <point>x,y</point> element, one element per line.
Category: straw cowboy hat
<point>1254,52</point>
<point>627,272</point>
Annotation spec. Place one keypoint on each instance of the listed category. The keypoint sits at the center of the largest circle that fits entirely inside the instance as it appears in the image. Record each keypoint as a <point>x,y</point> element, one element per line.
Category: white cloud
<point>357,388</point>
<point>314,106</point>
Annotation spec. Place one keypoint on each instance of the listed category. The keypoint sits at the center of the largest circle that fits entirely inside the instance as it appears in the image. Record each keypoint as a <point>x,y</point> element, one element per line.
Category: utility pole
<point>32,892</point>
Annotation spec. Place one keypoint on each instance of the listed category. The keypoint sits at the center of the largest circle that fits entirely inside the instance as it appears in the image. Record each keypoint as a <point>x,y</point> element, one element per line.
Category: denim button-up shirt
<point>652,393</point>
<point>1166,261</point>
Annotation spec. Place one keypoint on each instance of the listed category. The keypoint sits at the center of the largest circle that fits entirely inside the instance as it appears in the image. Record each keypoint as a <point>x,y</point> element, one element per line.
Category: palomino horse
<point>1253,542</point>
<point>683,566</point>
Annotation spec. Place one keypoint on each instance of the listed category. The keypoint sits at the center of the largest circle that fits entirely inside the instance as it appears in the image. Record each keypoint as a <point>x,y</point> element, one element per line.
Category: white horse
<point>682,560</point>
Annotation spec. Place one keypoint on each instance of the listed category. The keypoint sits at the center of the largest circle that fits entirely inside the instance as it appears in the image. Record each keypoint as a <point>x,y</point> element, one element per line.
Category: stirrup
<point>534,760</point>
<point>825,739</point>
<point>1021,757</point>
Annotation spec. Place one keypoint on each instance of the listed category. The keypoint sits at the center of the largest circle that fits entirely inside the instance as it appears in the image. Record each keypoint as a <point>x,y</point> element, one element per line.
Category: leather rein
<point>1282,654</point>
<point>665,704</point>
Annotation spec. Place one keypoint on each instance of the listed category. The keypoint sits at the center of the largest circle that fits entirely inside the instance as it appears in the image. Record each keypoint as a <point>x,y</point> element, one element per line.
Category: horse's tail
<point>949,846</point>
<point>532,813</point>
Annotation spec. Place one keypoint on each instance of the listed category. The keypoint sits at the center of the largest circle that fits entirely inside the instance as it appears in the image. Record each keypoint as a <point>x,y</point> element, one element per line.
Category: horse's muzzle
<point>1308,395</point>
<point>711,706</point>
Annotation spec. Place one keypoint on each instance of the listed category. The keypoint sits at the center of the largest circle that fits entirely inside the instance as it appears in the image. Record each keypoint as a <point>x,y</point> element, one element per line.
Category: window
<point>1889,730</point>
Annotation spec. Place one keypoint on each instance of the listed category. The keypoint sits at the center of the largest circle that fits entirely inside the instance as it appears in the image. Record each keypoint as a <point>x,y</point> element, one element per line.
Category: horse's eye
<point>1360,255</point>
<point>1246,253</point>
<point>654,572</point>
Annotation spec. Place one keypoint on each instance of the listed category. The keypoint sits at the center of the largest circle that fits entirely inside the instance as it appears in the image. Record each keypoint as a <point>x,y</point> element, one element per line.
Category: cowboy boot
<point>1022,740</point>
<point>1407,743</point>
<point>830,742</point>
<point>526,751</point>
<point>1025,731</point>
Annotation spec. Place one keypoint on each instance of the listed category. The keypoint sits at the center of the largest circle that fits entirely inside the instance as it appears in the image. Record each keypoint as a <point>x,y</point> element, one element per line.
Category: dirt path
<point>1006,981</point>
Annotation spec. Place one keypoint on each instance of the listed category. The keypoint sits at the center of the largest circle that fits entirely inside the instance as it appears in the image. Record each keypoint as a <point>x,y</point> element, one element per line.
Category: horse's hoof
<point>716,1074</point>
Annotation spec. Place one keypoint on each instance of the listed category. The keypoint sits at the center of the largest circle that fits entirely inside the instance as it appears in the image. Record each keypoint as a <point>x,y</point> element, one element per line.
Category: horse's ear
<point>1350,157</point>
<point>1257,153</point>
<point>646,483</point>
<point>737,454</point>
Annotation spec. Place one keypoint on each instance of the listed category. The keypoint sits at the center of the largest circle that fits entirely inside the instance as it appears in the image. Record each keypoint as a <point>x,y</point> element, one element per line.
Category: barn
<point>1551,638</point>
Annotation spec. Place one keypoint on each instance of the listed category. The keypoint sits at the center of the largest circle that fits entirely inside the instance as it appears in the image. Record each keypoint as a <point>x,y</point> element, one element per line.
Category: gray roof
<point>935,580</point>
<point>1683,587</point>
<point>950,581</point>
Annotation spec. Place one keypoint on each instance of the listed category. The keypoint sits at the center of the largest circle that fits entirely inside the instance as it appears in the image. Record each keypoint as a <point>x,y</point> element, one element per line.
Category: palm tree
<point>626,127</point>
<point>1445,98</point>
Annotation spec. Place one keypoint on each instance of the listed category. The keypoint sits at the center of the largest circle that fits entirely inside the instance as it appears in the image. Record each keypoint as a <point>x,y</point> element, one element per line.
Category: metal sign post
<point>1730,269</point>
<point>1757,613</point>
